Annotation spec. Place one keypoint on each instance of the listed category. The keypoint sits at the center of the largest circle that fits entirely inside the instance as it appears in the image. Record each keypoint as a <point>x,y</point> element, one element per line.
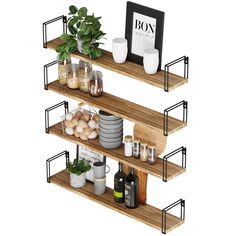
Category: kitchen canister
<point>151,60</point>
<point>128,145</point>
<point>119,50</point>
<point>100,186</point>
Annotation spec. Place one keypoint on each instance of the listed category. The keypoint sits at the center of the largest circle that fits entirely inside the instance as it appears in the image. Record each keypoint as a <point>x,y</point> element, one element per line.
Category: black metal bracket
<point>45,73</point>
<point>166,157</point>
<point>185,114</point>
<point>66,107</point>
<point>48,162</point>
<point>64,22</point>
<point>180,202</point>
<point>166,70</point>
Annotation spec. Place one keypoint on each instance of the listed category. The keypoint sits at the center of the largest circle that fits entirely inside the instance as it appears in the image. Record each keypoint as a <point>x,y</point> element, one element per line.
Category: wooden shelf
<point>121,107</point>
<point>173,170</point>
<point>128,68</point>
<point>147,214</point>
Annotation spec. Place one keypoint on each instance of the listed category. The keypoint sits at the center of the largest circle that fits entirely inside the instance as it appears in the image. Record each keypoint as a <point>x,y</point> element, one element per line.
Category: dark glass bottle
<point>131,190</point>
<point>119,185</point>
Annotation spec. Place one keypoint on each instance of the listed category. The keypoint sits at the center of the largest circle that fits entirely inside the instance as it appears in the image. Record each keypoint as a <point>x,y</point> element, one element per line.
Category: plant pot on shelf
<point>77,181</point>
<point>79,45</point>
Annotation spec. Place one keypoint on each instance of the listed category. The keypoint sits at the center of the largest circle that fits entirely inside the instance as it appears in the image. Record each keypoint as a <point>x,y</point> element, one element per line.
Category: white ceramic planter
<point>151,61</point>
<point>79,45</point>
<point>77,181</point>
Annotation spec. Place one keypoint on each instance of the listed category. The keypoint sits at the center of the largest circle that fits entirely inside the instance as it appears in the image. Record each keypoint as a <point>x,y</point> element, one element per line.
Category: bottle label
<point>129,195</point>
<point>118,194</point>
<point>118,188</point>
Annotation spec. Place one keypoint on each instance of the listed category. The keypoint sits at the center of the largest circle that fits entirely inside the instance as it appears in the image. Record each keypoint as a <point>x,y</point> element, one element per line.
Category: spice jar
<point>64,68</point>
<point>84,70</point>
<point>73,79</point>
<point>152,159</point>
<point>136,149</point>
<point>128,145</point>
<point>95,83</point>
<point>143,152</point>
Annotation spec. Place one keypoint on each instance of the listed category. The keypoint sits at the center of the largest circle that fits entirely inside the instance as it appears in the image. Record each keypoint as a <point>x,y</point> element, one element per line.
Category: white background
<point>203,30</point>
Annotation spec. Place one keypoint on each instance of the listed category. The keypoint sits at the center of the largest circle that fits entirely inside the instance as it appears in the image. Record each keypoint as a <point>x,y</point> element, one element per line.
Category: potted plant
<point>78,169</point>
<point>85,32</point>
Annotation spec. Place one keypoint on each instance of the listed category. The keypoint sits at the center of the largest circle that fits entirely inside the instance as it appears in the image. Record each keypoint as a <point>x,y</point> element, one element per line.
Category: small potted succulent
<point>85,32</point>
<point>78,169</point>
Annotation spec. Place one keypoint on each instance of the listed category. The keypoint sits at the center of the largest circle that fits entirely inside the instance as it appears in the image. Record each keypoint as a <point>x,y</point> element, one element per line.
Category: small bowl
<point>110,145</point>
<point>111,140</point>
<point>117,126</point>
<point>110,122</point>
<point>112,135</point>
<point>107,116</point>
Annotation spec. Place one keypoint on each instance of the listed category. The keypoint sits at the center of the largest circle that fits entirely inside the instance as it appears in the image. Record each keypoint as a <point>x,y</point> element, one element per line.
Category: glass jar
<point>128,145</point>
<point>136,149</point>
<point>73,78</point>
<point>143,152</point>
<point>95,83</point>
<point>64,69</point>
<point>152,157</point>
<point>84,70</point>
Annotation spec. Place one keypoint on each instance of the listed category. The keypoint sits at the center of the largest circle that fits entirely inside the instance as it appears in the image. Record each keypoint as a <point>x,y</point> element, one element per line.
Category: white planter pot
<point>77,181</point>
<point>79,45</point>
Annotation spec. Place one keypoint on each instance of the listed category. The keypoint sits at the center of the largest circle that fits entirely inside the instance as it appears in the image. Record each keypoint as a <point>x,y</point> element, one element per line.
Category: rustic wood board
<point>148,214</point>
<point>120,107</point>
<point>173,170</point>
<point>128,68</point>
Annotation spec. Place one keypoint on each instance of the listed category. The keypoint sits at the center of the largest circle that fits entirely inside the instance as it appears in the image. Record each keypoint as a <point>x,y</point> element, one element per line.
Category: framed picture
<point>144,29</point>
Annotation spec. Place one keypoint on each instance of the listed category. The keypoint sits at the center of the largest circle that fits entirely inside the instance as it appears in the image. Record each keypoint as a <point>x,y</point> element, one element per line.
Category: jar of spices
<point>143,152</point>
<point>128,145</point>
<point>95,83</point>
<point>136,149</point>
<point>152,157</point>
<point>64,68</point>
<point>73,78</point>
<point>84,70</point>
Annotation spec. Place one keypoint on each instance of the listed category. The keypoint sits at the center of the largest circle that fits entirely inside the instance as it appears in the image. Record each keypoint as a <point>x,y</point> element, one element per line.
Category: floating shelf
<point>173,170</point>
<point>120,107</point>
<point>128,68</point>
<point>147,214</point>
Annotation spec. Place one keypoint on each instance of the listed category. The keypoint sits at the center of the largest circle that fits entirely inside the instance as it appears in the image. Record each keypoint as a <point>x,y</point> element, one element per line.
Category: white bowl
<point>111,131</point>
<point>110,145</point>
<point>110,122</point>
<point>111,135</point>
<point>117,126</point>
<point>111,140</point>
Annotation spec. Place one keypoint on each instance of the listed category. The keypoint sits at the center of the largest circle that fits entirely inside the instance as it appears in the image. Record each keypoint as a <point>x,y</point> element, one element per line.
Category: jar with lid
<point>73,78</point>
<point>64,69</point>
<point>95,83</point>
<point>152,157</point>
<point>84,70</point>
<point>128,145</point>
<point>136,149</point>
<point>143,152</point>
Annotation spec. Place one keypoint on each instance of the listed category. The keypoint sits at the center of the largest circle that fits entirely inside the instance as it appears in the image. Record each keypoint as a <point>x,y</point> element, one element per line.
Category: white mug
<point>119,50</point>
<point>151,60</point>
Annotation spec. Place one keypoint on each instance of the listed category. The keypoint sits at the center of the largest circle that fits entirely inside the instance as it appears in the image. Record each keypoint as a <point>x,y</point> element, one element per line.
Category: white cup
<point>119,50</point>
<point>151,60</point>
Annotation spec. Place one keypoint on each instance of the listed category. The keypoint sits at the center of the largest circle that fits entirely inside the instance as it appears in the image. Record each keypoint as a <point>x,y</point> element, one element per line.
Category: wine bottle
<point>119,185</point>
<point>131,190</point>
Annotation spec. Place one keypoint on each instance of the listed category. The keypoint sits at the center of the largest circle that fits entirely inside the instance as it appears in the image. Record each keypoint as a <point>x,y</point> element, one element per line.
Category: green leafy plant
<point>78,166</point>
<point>84,27</point>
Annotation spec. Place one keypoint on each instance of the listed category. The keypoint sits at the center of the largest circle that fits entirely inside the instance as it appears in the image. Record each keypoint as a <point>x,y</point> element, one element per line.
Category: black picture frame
<point>153,32</point>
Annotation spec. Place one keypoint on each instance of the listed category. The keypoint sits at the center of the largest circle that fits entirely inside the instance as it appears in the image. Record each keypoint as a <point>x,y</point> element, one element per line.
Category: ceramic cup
<point>99,186</point>
<point>151,60</point>
<point>119,50</point>
<point>99,169</point>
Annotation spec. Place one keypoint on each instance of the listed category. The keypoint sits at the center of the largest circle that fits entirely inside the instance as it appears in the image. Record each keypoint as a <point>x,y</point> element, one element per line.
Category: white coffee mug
<point>119,50</point>
<point>151,60</point>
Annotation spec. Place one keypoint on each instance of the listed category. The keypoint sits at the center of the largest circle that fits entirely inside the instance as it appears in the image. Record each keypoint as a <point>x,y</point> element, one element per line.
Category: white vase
<point>79,45</point>
<point>151,61</point>
<point>119,50</point>
<point>77,181</point>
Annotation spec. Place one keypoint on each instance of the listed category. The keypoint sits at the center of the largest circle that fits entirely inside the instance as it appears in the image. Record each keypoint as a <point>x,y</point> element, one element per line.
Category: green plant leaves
<point>78,166</point>
<point>73,9</point>
<point>66,37</point>
<point>98,35</point>
<point>82,12</point>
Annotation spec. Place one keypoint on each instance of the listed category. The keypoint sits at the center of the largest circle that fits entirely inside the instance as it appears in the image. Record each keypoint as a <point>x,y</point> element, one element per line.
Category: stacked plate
<point>111,130</point>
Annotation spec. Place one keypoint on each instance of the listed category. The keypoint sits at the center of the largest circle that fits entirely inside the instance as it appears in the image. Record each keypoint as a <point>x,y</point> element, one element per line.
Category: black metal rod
<point>53,20</point>
<point>45,73</point>
<point>174,106</point>
<point>176,61</point>
<point>77,152</point>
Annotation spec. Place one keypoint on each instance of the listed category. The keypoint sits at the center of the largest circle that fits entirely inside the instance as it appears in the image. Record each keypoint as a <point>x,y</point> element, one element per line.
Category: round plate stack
<point>111,130</point>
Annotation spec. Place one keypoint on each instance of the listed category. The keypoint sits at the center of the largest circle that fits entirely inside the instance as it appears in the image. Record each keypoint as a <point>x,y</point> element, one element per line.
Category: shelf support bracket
<point>166,157</point>
<point>48,163</point>
<point>180,202</point>
<point>47,111</point>
<point>64,24</point>
<point>185,59</point>
<point>45,73</point>
<point>166,114</point>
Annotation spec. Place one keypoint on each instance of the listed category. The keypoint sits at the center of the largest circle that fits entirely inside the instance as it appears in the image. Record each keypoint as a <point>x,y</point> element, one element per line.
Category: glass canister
<point>136,149</point>
<point>143,152</point>
<point>64,69</point>
<point>152,155</point>
<point>73,78</point>
<point>95,83</point>
<point>84,69</point>
<point>128,145</point>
